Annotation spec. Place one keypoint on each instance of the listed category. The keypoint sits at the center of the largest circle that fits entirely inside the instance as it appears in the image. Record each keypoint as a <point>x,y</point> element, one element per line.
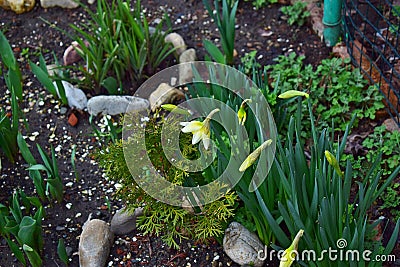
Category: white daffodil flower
<point>199,129</point>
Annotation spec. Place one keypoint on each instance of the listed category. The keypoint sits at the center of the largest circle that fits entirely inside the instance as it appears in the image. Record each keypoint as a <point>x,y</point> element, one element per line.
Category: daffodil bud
<point>242,112</point>
<point>333,162</point>
<point>241,115</point>
<point>175,109</point>
<point>253,156</point>
<point>293,93</point>
<point>289,255</point>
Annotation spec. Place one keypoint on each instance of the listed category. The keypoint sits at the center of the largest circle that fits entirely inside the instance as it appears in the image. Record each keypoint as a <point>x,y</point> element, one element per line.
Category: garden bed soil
<point>264,30</point>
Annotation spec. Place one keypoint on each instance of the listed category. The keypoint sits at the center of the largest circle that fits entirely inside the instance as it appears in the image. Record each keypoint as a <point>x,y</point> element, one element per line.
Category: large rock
<point>185,70</point>
<point>164,94</point>
<point>59,3</point>
<point>95,243</point>
<point>242,246</point>
<point>124,222</point>
<point>177,41</point>
<point>76,97</point>
<point>113,104</point>
<point>18,6</point>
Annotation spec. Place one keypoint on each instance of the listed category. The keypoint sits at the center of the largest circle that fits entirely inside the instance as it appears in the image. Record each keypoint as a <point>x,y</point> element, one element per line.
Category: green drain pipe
<point>332,19</point>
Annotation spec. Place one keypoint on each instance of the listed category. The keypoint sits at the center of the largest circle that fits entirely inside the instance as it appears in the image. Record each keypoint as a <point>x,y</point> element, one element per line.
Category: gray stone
<point>177,41</point>
<point>152,30</point>
<point>76,97</point>
<point>164,94</point>
<point>185,70</point>
<point>59,3</point>
<point>113,104</point>
<point>124,222</point>
<point>242,246</point>
<point>60,228</point>
<point>94,244</point>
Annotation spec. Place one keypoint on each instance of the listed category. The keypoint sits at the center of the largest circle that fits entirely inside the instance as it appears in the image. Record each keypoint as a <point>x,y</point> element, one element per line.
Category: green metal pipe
<point>332,19</point>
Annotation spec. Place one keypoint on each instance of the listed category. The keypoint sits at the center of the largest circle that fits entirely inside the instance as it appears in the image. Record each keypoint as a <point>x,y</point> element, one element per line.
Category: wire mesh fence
<point>372,33</point>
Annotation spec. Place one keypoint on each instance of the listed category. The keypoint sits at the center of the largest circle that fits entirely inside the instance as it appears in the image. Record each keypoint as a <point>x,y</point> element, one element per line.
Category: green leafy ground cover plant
<point>296,13</point>
<point>172,223</point>
<point>386,143</point>
<point>260,3</point>
<point>337,91</point>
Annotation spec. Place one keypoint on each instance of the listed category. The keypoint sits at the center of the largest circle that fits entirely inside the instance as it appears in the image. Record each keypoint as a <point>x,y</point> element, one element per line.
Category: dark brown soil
<point>29,32</point>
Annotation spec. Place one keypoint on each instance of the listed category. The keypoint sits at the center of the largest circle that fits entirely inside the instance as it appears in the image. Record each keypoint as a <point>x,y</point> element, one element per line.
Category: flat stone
<point>94,244</point>
<point>76,97</point>
<point>113,104</point>
<point>59,3</point>
<point>124,222</point>
<point>164,94</point>
<point>242,246</point>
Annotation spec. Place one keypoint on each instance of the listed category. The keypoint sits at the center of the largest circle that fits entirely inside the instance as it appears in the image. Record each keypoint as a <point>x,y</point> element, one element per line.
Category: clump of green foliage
<point>391,200</point>
<point>380,141</point>
<point>20,225</point>
<point>118,44</point>
<point>9,121</point>
<point>323,207</point>
<point>385,143</point>
<point>42,74</point>
<point>170,222</point>
<point>296,13</point>
<point>260,3</point>
<point>337,91</point>
<point>225,21</point>
<point>249,62</point>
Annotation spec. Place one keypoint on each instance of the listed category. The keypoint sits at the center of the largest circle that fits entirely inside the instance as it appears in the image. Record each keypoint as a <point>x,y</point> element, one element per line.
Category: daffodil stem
<point>247,100</point>
<point>212,113</point>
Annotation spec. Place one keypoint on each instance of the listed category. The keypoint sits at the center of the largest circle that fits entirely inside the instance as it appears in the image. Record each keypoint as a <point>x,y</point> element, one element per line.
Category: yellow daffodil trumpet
<point>254,155</point>
<point>293,93</point>
<point>289,255</point>
<point>242,112</point>
<point>333,162</point>
<point>199,129</point>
